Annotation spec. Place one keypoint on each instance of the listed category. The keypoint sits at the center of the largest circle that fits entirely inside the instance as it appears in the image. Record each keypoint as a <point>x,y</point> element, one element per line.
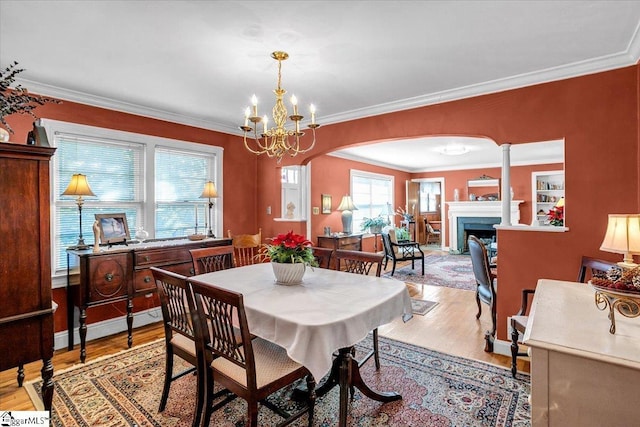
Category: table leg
<point>129,322</point>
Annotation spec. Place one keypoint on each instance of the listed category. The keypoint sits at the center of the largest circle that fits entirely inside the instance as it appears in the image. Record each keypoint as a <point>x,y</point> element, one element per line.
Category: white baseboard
<point>502,347</point>
<point>109,327</point>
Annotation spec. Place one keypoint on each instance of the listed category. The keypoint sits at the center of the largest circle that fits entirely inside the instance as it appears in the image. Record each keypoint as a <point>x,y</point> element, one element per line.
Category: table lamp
<point>209,192</point>
<point>79,187</point>
<point>623,237</point>
<point>347,207</point>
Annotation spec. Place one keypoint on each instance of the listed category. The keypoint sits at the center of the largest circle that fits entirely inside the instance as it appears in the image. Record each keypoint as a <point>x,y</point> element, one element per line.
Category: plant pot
<point>375,229</point>
<point>288,274</point>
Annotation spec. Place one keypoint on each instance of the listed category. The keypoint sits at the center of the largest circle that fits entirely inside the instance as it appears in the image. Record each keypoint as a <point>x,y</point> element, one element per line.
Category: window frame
<point>56,128</point>
<point>371,175</point>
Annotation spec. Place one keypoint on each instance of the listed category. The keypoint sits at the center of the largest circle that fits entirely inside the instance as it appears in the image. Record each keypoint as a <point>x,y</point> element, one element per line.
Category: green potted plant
<point>16,100</point>
<point>374,224</point>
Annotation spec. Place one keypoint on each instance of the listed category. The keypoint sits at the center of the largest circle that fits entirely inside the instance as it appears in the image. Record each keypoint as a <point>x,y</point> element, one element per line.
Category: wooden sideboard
<point>352,242</point>
<point>121,273</point>
<point>26,310</point>
<point>581,375</point>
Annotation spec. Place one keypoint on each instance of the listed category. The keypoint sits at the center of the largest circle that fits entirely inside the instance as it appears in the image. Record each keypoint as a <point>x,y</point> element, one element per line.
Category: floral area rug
<point>452,271</point>
<point>437,390</point>
<point>422,307</point>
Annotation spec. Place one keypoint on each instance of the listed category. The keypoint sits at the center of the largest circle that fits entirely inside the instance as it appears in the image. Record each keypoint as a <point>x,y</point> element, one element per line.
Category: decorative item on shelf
<point>623,237</point>
<point>289,254</point>
<point>406,216</point>
<point>347,207</point>
<point>373,224</point>
<point>78,186</point>
<point>456,195</point>
<point>16,100</point>
<point>96,236</point>
<point>209,192</point>
<point>141,234</point>
<point>556,214</point>
<point>277,141</point>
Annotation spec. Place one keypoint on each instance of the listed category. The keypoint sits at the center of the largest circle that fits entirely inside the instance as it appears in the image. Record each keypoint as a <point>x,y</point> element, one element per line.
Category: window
<point>429,196</point>
<point>372,194</point>
<point>156,182</point>
<point>293,196</point>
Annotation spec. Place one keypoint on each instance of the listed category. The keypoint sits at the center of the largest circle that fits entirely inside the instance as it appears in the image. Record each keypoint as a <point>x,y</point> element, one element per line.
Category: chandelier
<point>277,140</point>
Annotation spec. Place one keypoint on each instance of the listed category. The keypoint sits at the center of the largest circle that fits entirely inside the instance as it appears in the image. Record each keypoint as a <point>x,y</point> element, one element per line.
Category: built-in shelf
<point>547,188</point>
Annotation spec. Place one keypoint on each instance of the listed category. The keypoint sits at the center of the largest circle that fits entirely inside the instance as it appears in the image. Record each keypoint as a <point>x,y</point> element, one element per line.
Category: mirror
<point>483,188</point>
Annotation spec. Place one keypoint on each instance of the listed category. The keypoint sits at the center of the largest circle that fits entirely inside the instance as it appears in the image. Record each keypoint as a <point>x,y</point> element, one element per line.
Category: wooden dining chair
<point>485,285</point>
<point>323,256</point>
<point>245,247</point>
<point>206,260</point>
<point>589,267</point>
<point>179,336</point>
<point>362,263</point>
<point>251,371</point>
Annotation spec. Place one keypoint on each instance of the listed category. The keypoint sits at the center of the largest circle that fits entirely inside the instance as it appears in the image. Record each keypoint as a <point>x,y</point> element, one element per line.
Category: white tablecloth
<point>328,311</point>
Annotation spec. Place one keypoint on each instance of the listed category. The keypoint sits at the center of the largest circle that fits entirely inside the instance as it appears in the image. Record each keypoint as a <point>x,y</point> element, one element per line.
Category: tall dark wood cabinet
<point>26,311</point>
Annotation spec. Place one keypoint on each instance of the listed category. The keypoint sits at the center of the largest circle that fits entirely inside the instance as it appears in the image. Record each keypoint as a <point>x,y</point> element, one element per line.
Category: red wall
<point>597,115</point>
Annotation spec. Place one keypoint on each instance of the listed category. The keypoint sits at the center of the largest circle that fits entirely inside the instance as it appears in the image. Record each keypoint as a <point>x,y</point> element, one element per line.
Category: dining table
<point>320,320</point>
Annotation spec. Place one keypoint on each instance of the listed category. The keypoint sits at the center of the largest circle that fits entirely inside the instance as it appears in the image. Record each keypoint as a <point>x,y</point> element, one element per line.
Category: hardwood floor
<point>451,327</point>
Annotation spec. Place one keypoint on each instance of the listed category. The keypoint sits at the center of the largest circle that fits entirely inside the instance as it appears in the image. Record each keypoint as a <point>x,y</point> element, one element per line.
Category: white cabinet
<point>547,189</point>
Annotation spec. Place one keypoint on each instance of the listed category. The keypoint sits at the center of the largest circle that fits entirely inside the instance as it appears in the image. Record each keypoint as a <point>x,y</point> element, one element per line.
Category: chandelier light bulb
<point>312,110</point>
<point>265,120</point>
<point>247,113</point>
<point>254,102</point>
<point>294,102</point>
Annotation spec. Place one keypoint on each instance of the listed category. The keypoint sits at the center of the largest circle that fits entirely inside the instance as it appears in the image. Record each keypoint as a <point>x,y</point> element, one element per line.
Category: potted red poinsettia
<point>289,254</point>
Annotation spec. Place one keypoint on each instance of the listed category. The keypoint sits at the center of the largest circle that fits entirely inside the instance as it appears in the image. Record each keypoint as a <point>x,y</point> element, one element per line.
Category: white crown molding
<point>605,63</point>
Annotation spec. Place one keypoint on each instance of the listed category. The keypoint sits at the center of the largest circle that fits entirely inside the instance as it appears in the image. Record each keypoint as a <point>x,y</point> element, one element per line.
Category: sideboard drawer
<point>160,256</point>
<point>352,243</point>
<point>143,281</point>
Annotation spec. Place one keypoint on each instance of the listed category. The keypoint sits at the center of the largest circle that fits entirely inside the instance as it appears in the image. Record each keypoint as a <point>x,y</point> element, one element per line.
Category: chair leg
<point>479,306</point>
<point>252,413</point>
<point>376,354</point>
<point>422,265</point>
<point>514,350</point>
<point>393,269</point>
<point>168,373</point>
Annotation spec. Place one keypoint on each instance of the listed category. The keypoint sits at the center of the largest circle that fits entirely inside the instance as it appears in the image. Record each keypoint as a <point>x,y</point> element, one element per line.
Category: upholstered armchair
<point>402,250</point>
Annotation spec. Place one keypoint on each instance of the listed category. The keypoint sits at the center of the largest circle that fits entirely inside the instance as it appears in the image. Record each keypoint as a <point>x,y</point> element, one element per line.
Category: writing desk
<point>331,310</point>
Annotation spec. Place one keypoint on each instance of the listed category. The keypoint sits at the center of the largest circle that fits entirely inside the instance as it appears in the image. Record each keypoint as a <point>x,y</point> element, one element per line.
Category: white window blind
<point>180,178</point>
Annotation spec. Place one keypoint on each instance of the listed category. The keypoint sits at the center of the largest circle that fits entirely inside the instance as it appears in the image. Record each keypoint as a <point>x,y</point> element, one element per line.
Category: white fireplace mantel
<point>477,209</point>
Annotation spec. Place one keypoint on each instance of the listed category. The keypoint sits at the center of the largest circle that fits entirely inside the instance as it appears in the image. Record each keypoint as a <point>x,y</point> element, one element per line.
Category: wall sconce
<point>623,237</point>
<point>209,192</point>
<point>79,187</point>
<point>347,207</point>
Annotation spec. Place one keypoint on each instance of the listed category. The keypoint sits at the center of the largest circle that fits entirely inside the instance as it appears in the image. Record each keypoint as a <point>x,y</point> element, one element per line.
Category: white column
<point>506,184</point>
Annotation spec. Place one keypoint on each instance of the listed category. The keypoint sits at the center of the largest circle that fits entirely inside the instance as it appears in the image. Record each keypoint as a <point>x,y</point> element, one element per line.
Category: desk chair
<point>362,263</point>
<point>486,285</point>
<point>245,247</point>
<point>206,260</point>
<point>179,336</point>
<point>251,371</point>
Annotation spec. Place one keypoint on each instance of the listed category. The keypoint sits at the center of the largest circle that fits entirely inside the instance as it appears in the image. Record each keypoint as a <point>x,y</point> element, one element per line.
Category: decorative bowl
<point>196,236</point>
<point>625,302</point>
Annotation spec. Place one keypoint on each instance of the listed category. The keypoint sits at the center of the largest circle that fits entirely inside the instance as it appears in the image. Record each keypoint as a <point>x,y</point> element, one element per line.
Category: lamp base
<point>347,216</point>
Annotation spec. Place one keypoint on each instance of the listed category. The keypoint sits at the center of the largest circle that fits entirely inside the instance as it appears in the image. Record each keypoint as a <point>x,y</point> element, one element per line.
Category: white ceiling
<point>199,62</point>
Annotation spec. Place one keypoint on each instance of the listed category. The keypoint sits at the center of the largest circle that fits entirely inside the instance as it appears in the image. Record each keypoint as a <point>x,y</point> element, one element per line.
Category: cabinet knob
<point>147,279</point>
<point>108,277</point>
<point>146,258</point>
<point>192,271</point>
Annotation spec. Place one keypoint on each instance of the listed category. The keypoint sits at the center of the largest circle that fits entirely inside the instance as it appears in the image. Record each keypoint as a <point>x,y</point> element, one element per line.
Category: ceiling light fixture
<point>277,141</point>
<point>454,149</point>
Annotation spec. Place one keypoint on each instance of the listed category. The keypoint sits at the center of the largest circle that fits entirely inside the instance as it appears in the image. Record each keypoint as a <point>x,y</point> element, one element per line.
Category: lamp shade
<point>209,191</point>
<point>623,237</point>
<point>346,204</point>
<point>78,186</point>
<point>560,203</point>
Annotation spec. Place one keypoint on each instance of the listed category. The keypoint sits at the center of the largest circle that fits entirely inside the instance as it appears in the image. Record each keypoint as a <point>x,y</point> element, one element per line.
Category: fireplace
<point>481,227</point>
<point>481,217</point>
